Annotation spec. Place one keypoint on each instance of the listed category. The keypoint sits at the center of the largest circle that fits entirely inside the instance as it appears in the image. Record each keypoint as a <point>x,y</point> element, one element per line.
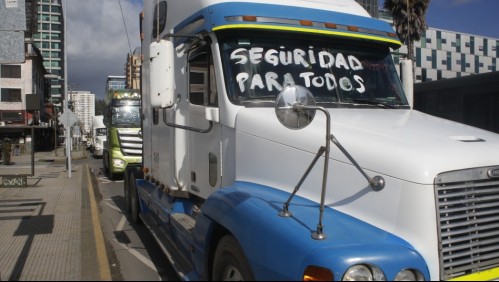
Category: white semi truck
<point>279,144</point>
<point>98,136</point>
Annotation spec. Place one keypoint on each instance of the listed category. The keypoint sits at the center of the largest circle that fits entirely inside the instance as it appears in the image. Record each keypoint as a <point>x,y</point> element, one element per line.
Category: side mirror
<point>290,107</point>
<point>162,55</point>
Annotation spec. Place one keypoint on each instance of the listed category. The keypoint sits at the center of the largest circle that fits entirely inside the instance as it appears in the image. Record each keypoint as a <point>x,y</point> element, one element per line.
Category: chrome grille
<point>468,219</point>
<point>130,142</point>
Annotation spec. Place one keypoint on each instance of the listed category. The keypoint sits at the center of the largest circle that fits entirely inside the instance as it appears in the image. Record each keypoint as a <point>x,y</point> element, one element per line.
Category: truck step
<point>180,263</point>
<point>185,220</point>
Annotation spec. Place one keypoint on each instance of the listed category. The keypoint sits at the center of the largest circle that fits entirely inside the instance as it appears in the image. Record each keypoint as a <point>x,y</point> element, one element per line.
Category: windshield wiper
<point>374,103</point>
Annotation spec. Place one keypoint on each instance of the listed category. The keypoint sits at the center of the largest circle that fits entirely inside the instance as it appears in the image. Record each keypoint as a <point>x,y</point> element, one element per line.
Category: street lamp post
<point>68,133</point>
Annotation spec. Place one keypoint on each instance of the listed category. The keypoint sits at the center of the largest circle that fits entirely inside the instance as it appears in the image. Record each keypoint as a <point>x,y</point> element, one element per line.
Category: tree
<point>409,20</point>
<point>100,104</point>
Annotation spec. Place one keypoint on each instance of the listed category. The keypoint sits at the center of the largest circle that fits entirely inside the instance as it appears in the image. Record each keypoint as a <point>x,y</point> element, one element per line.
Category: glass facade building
<point>115,82</point>
<point>50,40</point>
<point>371,7</point>
<point>444,54</point>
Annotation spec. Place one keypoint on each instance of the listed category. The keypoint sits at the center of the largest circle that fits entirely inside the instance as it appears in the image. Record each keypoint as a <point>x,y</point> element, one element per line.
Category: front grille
<point>468,218</point>
<point>130,142</point>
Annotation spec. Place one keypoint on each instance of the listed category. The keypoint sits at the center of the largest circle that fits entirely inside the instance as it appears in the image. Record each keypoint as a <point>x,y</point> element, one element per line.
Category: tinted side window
<point>202,86</point>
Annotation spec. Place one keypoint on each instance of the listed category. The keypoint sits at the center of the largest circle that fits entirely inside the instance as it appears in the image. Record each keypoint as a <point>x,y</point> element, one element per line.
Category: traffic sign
<point>68,118</point>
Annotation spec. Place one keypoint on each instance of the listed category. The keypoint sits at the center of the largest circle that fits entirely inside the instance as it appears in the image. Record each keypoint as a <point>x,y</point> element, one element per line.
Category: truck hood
<point>404,144</point>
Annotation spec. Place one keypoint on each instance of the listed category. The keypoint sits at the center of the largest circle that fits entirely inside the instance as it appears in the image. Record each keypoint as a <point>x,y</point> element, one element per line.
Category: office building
<point>444,54</point>
<point>371,7</point>
<point>115,82</point>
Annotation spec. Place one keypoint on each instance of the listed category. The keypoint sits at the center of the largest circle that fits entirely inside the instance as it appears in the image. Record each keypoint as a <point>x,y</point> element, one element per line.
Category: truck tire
<point>134,200</point>
<point>230,263</point>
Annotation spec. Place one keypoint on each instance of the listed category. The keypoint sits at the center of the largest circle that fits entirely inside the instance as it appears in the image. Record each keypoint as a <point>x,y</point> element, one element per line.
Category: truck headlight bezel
<point>409,275</point>
<point>364,272</point>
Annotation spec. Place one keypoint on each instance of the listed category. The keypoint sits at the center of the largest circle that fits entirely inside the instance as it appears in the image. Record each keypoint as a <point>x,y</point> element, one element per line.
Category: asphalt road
<point>133,253</point>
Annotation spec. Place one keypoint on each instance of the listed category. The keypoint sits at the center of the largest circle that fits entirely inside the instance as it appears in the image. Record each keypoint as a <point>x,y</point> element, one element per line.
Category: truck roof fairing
<point>225,16</point>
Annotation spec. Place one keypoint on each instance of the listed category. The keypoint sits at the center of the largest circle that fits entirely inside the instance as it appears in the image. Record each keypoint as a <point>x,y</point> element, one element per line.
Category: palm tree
<point>409,20</point>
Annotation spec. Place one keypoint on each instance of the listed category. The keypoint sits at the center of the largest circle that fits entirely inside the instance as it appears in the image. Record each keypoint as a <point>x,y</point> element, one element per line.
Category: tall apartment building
<point>50,40</point>
<point>84,108</point>
<point>132,69</point>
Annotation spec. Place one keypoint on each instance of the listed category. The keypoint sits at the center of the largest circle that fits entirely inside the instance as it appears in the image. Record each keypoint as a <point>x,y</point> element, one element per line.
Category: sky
<point>98,42</point>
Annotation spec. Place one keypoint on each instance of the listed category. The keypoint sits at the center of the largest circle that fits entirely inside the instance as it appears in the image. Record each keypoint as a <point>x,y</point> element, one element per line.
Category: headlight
<point>364,272</point>
<point>409,275</point>
<point>119,163</point>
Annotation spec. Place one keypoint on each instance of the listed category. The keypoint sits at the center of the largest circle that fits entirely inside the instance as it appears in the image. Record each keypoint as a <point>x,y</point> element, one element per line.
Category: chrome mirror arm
<point>377,182</point>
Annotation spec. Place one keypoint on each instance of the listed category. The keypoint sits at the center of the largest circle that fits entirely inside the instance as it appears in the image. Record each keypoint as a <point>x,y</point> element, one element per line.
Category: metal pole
<point>66,108</point>
<point>32,151</point>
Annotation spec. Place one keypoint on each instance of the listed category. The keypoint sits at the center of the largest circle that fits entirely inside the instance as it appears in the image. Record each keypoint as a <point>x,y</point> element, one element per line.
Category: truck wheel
<point>230,262</point>
<point>134,200</point>
<point>126,188</point>
<point>112,176</point>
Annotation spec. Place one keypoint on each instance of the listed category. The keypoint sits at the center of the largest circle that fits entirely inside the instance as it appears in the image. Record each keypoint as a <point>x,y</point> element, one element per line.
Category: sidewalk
<point>48,228</point>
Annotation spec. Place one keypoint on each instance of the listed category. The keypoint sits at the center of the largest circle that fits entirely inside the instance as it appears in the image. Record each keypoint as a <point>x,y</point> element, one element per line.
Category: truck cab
<point>279,144</point>
<point>123,145</point>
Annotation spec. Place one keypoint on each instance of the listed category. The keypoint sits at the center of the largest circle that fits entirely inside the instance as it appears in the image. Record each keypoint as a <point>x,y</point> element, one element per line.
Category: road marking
<point>133,252</point>
<point>114,207</point>
<point>103,262</point>
<point>121,224</point>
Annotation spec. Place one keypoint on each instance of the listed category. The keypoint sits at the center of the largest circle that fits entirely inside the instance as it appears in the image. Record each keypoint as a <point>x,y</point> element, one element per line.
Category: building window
<point>428,40</point>
<point>444,41</point>
<point>480,48</point>
<point>453,44</point>
<point>56,9</point>
<point>458,62</point>
<point>428,58</point>
<point>10,71</point>
<point>12,116</point>
<point>494,48</point>
<point>444,62</point>
<point>467,44</point>
<point>11,95</point>
<point>56,27</point>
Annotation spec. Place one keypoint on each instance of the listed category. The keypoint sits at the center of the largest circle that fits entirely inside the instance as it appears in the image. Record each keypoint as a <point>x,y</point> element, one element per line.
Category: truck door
<point>203,148</point>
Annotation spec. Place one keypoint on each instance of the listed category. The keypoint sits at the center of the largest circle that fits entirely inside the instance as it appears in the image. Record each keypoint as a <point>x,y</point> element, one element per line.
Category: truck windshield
<point>126,116</point>
<point>338,72</point>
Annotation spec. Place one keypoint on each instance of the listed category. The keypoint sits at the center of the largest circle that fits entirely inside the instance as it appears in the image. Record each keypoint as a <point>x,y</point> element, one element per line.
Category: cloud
<point>98,42</point>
